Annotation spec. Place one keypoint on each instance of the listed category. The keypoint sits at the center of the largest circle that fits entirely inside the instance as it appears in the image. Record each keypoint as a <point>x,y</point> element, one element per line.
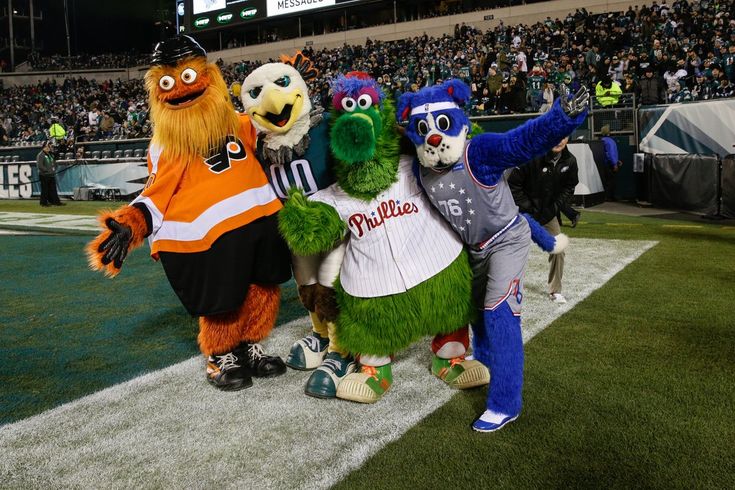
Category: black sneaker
<point>575,220</point>
<point>228,372</point>
<point>258,363</point>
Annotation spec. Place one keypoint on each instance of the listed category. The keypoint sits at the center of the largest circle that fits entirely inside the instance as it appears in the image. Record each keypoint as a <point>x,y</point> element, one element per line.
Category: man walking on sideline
<point>542,188</point>
<point>47,176</point>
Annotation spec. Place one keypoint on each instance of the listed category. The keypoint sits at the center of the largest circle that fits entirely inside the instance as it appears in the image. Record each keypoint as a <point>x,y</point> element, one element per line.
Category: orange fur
<point>253,322</point>
<point>127,215</point>
<point>188,132</point>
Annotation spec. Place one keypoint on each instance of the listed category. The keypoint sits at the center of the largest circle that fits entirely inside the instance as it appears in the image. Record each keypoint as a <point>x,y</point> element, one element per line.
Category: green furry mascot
<point>405,274</point>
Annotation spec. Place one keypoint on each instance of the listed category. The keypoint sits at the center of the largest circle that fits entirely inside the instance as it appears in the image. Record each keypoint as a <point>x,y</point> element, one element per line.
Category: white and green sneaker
<point>324,381</point>
<point>368,385</point>
<point>460,373</point>
<point>308,353</point>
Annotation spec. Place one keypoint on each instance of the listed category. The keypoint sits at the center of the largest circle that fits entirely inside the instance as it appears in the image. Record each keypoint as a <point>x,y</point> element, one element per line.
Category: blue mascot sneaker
<point>324,381</point>
<point>308,353</point>
<point>491,421</point>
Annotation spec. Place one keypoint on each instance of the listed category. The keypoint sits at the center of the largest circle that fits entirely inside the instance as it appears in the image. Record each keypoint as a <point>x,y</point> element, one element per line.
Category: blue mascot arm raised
<point>489,154</point>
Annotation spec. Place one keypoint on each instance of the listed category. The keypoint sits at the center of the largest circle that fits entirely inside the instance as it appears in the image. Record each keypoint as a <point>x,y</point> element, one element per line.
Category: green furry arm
<point>309,227</point>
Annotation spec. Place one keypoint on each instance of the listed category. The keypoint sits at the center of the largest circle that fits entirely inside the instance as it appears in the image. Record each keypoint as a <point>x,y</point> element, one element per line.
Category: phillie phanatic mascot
<point>209,214</point>
<point>466,181</point>
<point>293,147</point>
<point>404,273</point>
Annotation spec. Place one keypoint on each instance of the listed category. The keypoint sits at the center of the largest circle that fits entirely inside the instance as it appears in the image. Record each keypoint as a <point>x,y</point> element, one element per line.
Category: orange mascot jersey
<point>213,224</point>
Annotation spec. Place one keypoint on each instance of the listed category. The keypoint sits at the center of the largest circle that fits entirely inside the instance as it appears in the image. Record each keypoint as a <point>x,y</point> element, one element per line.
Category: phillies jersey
<point>396,240</point>
<point>474,210</point>
<point>311,172</point>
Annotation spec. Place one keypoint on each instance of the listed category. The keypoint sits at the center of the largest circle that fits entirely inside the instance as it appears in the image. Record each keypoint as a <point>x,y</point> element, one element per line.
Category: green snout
<point>354,136</point>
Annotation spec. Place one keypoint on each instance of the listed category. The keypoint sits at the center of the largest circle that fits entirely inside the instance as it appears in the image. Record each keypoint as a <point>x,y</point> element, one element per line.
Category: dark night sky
<point>102,26</point>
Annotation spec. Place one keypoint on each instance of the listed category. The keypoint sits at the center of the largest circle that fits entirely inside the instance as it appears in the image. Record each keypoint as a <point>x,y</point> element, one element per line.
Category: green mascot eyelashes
<point>405,274</point>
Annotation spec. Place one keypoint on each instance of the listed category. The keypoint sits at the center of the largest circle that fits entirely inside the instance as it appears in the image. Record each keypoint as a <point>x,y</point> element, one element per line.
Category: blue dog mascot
<point>465,179</point>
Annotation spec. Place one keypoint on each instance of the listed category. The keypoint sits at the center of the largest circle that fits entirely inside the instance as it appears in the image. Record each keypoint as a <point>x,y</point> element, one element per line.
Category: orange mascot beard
<point>191,109</point>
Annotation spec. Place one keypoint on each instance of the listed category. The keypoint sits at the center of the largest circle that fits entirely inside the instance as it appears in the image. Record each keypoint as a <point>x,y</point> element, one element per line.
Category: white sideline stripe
<point>55,221</point>
<point>170,429</point>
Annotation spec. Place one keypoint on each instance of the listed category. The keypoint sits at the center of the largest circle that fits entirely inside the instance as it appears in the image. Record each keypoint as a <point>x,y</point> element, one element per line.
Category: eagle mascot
<point>293,147</point>
<point>209,214</point>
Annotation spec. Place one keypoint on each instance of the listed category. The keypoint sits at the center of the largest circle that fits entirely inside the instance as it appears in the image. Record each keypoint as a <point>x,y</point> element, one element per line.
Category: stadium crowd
<point>77,110</point>
<point>661,53</point>
<point>86,61</point>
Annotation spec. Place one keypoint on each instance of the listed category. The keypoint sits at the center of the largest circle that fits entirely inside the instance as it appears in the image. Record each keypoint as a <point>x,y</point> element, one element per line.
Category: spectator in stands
<point>56,130</point>
<point>107,124</point>
<point>702,89</point>
<point>46,165</point>
<point>607,91</point>
<point>548,97</point>
<point>650,88</point>
<point>541,188</point>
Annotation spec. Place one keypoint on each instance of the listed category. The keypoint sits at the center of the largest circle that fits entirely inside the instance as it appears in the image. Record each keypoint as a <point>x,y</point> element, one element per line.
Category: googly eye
<point>349,104</point>
<point>422,127</point>
<point>284,81</point>
<point>443,122</point>
<point>365,101</point>
<point>166,82</point>
<point>255,92</point>
<point>188,76</point>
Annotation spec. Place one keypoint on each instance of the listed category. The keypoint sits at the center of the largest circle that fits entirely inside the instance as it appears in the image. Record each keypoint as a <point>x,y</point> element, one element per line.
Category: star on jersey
<point>451,185</point>
<point>471,211</point>
<point>441,185</point>
<point>468,221</point>
<point>468,200</point>
<point>461,191</point>
<point>433,189</point>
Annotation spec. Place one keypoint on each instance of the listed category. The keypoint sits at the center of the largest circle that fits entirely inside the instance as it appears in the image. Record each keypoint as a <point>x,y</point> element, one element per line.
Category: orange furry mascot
<point>209,214</point>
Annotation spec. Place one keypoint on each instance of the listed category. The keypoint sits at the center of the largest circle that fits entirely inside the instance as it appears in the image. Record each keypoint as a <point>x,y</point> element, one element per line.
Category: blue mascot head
<point>436,122</point>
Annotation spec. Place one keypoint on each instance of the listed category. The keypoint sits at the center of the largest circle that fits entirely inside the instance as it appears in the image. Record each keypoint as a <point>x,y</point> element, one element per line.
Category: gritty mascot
<point>209,214</point>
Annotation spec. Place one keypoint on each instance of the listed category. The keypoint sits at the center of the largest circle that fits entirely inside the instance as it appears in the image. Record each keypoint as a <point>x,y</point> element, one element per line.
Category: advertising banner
<point>706,128</point>
<point>20,180</point>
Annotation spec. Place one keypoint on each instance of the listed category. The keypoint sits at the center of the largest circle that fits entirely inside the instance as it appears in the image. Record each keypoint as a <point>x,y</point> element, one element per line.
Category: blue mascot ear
<point>404,107</point>
<point>457,90</point>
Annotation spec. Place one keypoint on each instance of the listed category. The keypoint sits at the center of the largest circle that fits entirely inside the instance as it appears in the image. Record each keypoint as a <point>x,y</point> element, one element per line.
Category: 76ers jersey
<point>310,172</point>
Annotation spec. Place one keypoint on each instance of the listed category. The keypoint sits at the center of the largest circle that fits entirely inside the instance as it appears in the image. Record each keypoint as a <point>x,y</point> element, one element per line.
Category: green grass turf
<point>67,331</point>
<point>89,208</point>
<point>633,388</point>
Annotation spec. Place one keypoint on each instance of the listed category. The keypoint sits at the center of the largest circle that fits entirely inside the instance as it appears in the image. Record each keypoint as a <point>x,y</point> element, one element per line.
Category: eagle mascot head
<point>190,104</point>
<point>276,98</point>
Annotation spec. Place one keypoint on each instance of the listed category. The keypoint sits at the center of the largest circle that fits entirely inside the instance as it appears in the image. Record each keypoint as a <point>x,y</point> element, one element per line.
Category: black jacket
<point>541,188</point>
<point>650,91</point>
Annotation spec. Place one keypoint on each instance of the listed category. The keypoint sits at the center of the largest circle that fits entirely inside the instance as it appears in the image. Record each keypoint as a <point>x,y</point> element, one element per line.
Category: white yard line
<point>171,429</point>
<point>51,221</point>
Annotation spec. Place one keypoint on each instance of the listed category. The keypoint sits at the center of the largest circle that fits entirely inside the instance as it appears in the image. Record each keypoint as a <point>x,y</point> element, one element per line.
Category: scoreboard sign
<point>200,15</point>
<point>281,7</point>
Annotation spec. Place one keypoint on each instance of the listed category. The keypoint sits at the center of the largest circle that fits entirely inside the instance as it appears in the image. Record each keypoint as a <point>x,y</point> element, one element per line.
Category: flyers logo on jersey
<point>232,151</point>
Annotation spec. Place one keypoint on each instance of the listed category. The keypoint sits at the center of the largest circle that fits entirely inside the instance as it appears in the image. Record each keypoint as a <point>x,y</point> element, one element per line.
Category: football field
<point>628,384</point>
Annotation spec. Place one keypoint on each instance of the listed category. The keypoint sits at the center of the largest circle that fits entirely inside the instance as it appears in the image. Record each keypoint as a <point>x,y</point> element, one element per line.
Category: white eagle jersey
<point>397,240</point>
